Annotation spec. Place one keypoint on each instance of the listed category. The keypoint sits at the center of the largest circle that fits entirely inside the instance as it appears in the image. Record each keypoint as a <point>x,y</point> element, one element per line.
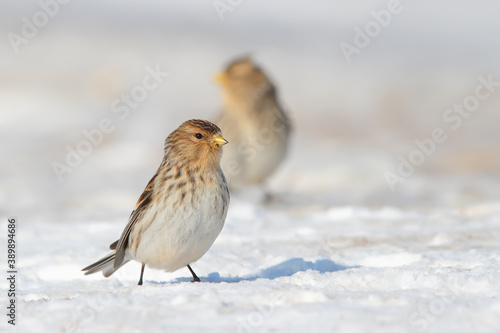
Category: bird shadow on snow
<point>286,268</point>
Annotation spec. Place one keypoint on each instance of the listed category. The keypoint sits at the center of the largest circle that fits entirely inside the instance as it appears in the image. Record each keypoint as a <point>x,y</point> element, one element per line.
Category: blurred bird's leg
<point>269,197</point>
<point>195,278</point>
<point>142,273</point>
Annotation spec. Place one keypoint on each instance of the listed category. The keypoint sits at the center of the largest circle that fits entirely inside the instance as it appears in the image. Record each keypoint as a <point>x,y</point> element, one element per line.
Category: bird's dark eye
<point>199,136</point>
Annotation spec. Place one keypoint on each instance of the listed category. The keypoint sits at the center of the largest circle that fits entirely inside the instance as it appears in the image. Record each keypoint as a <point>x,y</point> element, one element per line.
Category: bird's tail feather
<point>106,265</point>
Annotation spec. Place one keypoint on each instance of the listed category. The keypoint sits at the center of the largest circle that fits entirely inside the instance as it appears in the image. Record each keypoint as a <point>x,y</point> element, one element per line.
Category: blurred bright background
<point>351,120</point>
<point>343,251</point>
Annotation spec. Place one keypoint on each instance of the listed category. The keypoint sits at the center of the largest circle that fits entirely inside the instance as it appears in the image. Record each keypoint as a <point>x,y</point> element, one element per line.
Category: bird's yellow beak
<point>220,78</point>
<point>218,141</point>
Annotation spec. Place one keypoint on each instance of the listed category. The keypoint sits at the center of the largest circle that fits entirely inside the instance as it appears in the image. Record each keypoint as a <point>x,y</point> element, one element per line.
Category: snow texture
<point>336,250</point>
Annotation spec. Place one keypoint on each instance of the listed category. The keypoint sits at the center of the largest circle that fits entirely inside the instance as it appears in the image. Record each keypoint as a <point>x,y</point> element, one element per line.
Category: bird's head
<point>243,82</point>
<point>196,142</point>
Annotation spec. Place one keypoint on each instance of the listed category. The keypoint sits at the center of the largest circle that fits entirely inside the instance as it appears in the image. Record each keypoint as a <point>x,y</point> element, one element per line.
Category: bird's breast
<point>182,226</point>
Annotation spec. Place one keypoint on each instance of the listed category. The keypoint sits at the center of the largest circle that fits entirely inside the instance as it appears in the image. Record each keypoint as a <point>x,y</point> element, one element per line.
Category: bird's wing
<point>142,205</point>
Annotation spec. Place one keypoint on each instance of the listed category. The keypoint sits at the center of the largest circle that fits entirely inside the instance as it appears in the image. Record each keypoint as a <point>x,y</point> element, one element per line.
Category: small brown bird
<point>253,121</point>
<point>183,208</point>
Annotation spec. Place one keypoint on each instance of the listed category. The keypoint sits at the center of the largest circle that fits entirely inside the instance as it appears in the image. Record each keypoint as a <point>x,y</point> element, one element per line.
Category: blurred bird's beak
<point>220,78</point>
<point>219,141</point>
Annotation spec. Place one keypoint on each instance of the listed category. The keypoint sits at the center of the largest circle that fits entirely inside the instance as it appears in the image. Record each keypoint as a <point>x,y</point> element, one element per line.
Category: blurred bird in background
<point>253,121</point>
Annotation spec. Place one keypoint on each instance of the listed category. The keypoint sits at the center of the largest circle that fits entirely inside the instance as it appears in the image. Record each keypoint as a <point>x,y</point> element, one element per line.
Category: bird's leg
<point>142,273</point>
<point>269,197</point>
<point>195,278</point>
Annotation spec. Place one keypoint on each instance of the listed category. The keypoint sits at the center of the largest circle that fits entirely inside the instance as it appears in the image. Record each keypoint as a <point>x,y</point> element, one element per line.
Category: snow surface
<point>337,250</point>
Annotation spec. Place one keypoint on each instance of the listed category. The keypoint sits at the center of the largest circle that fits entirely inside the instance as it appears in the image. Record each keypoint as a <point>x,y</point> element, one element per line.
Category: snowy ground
<point>339,269</point>
<point>337,251</point>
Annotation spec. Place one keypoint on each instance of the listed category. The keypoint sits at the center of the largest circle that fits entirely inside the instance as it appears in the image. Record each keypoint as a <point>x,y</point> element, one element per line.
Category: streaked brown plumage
<point>253,121</point>
<point>182,209</point>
